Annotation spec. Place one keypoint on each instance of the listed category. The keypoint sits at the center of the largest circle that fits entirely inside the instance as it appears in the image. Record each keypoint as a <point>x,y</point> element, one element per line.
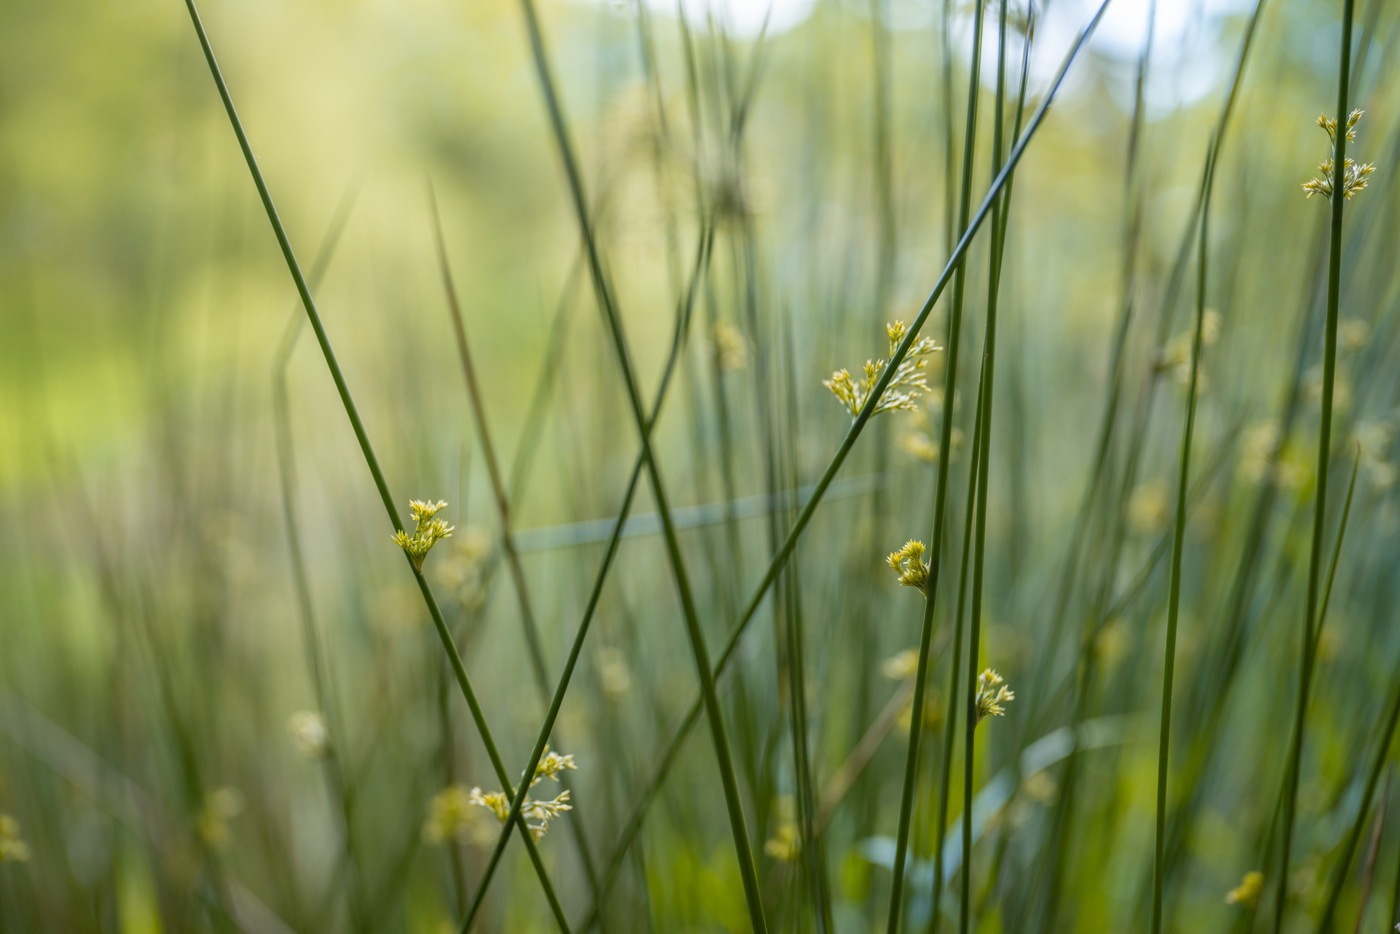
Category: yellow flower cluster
<point>906,386</point>
<point>909,564</point>
<point>13,849</point>
<point>220,804</point>
<point>1353,175</point>
<point>429,532</point>
<point>992,692</point>
<point>541,812</point>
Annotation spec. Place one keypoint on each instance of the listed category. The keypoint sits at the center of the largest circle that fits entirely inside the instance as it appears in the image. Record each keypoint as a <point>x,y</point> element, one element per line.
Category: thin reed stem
<point>833,467</point>
<point>940,496</point>
<point>683,319</point>
<point>747,871</point>
<point>1178,546</point>
<point>1324,456</point>
<point>501,498</point>
<point>984,427</point>
<point>304,290</point>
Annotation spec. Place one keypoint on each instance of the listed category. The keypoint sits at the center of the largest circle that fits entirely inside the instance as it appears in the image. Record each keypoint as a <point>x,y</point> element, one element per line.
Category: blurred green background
<point>153,653</point>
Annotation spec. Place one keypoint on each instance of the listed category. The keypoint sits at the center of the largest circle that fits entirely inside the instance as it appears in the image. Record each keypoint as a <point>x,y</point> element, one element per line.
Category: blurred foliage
<point>159,753</point>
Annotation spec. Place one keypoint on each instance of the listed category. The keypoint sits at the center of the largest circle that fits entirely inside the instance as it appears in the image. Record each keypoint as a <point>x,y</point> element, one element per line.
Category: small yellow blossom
<point>731,350</point>
<point>452,817</point>
<point>909,564</point>
<point>13,849</point>
<point>991,694</point>
<point>220,805</point>
<point>495,801</point>
<point>551,764</point>
<point>1354,175</point>
<point>429,532</point>
<point>906,386</point>
<point>542,812</point>
<point>1248,891</point>
<point>920,445</point>
<point>901,667</point>
<point>308,730</point>
<point>1353,333</point>
<point>462,570</point>
<point>1149,506</point>
<point>614,674</point>
<point>933,711</point>
<point>785,844</point>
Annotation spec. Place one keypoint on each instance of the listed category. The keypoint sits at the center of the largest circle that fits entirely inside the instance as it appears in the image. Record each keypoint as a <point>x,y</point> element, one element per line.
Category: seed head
<point>496,801</point>
<point>551,764</point>
<point>909,564</point>
<point>908,383</point>
<point>1353,176</point>
<point>429,532</point>
<point>992,692</point>
<point>542,812</point>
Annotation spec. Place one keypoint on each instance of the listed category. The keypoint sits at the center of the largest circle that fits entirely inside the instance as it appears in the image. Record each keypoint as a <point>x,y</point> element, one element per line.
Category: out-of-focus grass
<point>153,643</point>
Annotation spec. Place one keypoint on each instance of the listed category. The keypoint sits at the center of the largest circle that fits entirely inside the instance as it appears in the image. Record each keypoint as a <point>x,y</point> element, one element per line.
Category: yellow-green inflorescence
<point>541,812</point>
<point>909,564</point>
<point>1354,175</point>
<point>429,532</point>
<point>13,849</point>
<point>992,693</point>
<point>906,386</point>
<point>1248,891</point>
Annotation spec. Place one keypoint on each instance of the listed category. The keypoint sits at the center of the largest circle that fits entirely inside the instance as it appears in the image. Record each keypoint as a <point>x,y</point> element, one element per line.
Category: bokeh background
<point>160,759</point>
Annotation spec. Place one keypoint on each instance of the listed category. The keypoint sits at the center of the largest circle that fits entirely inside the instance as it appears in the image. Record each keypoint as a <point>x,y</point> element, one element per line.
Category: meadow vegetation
<point>911,466</point>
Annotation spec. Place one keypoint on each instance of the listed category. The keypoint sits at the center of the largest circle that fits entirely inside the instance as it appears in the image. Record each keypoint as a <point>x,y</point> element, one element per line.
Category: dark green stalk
<point>1336,552</point>
<point>950,720</point>
<point>614,539</point>
<point>1324,454</point>
<point>945,450</point>
<point>1178,545</point>
<point>955,669</point>
<point>498,489</point>
<point>813,851</point>
<point>852,434</point>
<point>1339,875</point>
<point>371,461</point>
<point>714,715</point>
<point>984,426</point>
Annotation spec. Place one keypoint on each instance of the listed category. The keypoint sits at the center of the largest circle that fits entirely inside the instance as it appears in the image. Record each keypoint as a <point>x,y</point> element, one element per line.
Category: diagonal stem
<point>498,489</point>
<point>682,329</point>
<point>714,715</point>
<point>833,467</point>
<point>366,449</point>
